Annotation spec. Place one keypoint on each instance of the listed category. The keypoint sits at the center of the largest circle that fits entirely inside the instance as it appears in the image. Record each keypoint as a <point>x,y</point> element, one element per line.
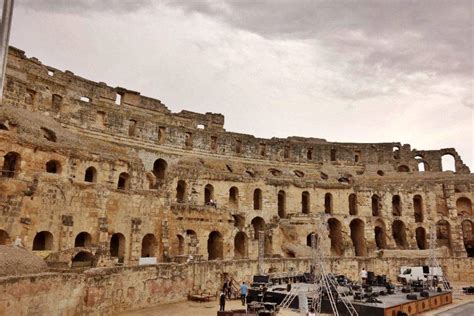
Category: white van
<point>409,274</point>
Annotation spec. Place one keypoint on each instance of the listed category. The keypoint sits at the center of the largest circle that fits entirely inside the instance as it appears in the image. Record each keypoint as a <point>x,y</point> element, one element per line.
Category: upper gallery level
<point>130,118</point>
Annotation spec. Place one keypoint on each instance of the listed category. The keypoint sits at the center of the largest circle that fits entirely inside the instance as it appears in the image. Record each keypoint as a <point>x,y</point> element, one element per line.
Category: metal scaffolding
<point>261,252</point>
<point>433,263</point>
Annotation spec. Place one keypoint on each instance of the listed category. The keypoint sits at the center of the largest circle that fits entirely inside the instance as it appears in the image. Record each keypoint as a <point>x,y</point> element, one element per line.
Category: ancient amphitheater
<point>97,178</point>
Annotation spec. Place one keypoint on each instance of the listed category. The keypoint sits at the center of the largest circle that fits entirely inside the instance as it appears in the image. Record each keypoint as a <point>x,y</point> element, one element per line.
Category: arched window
<point>418,208</point>
<point>215,246</point>
<point>257,199</point>
<point>159,169</point>
<point>358,237</point>
<point>396,205</point>
<point>43,241</point>
<point>375,205</point>
<point>181,191</point>
<point>4,238</point>
<point>328,203</point>
<point>234,197</point>
<point>399,234</point>
<point>420,234</point>
<point>335,234</point>
<point>90,175</point>
<point>305,202</point>
<point>149,244</point>
<point>448,163</point>
<point>468,237</point>
<point>309,240</point>
<point>83,240</point>
<point>281,204</point>
<point>208,194</point>
<point>380,234</point>
<point>353,204</point>
<point>11,164</point>
<point>403,168</point>
<point>464,206</point>
<point>258,225</point>
<point>82,259</point>
<point>117,247</point>
<point>443,234</point>
<point>240,245</point>
<point>53,166</point>
<point>309,154</point>
<point>123,181</point>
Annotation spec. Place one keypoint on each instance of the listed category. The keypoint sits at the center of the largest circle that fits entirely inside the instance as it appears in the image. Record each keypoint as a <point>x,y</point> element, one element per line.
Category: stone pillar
<point>66,239</point>
<point>135,241</point>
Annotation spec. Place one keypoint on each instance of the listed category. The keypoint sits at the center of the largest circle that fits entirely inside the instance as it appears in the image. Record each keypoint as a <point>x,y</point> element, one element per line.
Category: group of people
<point>212,203</point>
<point>227,292</point>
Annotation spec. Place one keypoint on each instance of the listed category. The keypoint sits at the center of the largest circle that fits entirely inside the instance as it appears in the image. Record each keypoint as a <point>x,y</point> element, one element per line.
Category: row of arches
<point>399,235</point>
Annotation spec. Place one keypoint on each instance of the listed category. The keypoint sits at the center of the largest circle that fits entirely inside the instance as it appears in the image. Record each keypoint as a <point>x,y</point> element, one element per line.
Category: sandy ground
<point>211,308</point>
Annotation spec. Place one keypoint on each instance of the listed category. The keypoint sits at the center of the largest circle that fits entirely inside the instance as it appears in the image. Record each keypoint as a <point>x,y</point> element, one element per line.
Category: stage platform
<point>390,304</point>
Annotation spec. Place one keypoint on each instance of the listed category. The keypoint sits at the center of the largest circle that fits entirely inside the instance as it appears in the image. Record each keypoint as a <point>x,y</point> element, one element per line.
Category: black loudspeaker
<point>390,291</point>
<point>370,277</point>
<point>368,289</point>
<point>438,290</point>
<point>412,297</point>
<point>424,294</point>
<point>418,289</point>
<point>356,287</point>
<point>357,296</point>
<point>383,293</point>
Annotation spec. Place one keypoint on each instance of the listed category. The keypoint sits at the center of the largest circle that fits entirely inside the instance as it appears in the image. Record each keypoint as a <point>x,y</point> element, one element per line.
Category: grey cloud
<point>84,6</point>
<point>438,34</point>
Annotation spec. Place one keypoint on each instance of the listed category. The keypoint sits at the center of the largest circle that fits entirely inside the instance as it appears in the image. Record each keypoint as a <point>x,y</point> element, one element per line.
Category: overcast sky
<point>349,71</point>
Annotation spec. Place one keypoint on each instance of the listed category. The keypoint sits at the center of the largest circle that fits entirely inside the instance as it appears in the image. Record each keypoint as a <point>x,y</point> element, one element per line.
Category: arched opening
<point>234,197</point>
<point>464,206</point>
<point>240,246</point>
<point>257,199</point>
<point>396,205</point>
<point>11,164</point>
<point>380,235</point>
<point>43,241</point>
<point>399,234</point>
<point>328,203</point>
<point>208,194</point>
<point>396,152</point>
<point>258,225</point>
<point>305,202</point>
<point>358,237</point>
<point>179,245</point>
<point>215,246</point>
<point>375,205</point>
<point>83,239</point>
<point>353,204</point>
<point>181,191</point>
<point>117,246</point>
<point>3,127</point>
<point>335,234</point>
<point>423,166</point>
<point>82,259</point>
<point>281,204</point>
<point>309,154</point>
<point>403,168</point>
<point>443,234</point>
<point>123,181</point>
<point>192,241</point>
<point>309,240</point>
<point>418,208</point>
<point>149,244</point>
<point>159,168</point>
<point>4,238</point>
<point>53,166</point>
<point>420,234</point>
<point>468,237</point>
<point>90,175</point>
<point>448,163</point>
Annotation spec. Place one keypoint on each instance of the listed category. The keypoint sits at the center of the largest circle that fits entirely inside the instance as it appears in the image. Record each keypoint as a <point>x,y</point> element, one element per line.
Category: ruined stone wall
<point>102,176</point>
<point>110,290</point>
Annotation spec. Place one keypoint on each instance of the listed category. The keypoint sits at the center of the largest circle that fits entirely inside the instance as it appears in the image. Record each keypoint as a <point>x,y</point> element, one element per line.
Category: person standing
<point>243,292</point>
<point>363,276</point>
<point>222,302</point>
<point>311,312</point>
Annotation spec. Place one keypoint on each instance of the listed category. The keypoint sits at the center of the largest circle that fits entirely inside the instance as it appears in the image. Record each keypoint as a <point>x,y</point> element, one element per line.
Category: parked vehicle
<point>421,273</point>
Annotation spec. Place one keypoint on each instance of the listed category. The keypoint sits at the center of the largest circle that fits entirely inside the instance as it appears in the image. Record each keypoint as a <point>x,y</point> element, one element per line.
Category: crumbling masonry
<point>100,176</point>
